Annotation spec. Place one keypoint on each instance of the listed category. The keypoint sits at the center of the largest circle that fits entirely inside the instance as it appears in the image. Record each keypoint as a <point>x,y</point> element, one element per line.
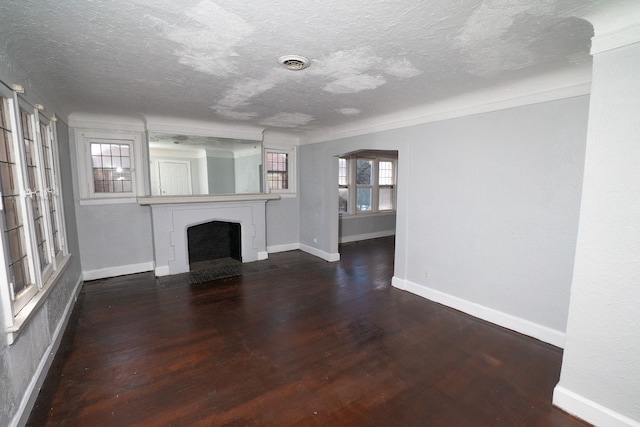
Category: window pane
<point>50,174</point>
<point>343,201</point>
<point>385,173</point>
<point>277,171</point>
<point>342,172</point>
<point>363,199</point>
<point>111,168</point>
<point>36,200</point>
<point>14,236</point>
<point>277,180</point>
<point>363,171</point>
<point>385,198</point>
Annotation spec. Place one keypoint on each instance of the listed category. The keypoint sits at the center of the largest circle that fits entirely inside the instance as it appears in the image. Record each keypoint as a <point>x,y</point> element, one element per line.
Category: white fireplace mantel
<point>205,198</point>
<point>173,215</point>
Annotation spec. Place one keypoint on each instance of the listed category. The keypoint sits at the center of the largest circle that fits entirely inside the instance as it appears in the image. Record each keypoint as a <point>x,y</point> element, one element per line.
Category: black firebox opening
<point>214,240</point>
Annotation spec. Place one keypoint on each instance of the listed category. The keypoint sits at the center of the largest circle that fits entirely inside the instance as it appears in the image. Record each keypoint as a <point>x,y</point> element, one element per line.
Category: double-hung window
<point>279,170</point>
<point>386,185</point>
<point>34,191</point>
<point>366,184</point>
<point>108,164</point>
<point>32,247</point>
<point>343,185</point>
<point>365,180</point>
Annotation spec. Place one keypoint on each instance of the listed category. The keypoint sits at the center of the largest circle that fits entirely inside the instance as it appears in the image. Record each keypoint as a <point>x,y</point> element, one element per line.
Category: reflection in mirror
<point>191,164</point>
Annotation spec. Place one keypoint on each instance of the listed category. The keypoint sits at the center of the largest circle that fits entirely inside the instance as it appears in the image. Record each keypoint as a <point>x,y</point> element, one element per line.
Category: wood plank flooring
<point>300,342</point>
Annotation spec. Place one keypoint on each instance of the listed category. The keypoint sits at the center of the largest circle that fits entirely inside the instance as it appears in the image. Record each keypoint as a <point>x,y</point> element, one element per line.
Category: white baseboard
<point>396,282</point>
<point>283,248</point>
<point>320,254</point>
<point>589,410</point>
<point>32,390</point>
<point>367,236</point>
<point>163,270</point>
<point>121,270</point>
<point>523,326</point>
<point>262,255</point>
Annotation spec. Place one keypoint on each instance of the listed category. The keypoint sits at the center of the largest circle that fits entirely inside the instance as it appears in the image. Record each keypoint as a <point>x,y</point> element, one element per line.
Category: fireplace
<point>213,241</point>
<point>172,217</point>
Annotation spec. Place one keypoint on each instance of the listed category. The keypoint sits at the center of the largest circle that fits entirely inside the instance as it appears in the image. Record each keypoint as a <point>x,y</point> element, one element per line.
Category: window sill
<point>29,311</point>
<point>108,201</point>
<point>285,195</point>
<point>365,214</point>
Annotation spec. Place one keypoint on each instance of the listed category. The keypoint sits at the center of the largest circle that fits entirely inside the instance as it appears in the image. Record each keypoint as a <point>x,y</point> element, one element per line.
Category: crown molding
<point>550,87</point>
<point>105,122</point>
<point>615,39</point>
<point>203,128</point>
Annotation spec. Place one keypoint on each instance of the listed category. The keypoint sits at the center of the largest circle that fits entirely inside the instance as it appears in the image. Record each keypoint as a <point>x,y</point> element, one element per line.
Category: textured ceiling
<point>217,60</point>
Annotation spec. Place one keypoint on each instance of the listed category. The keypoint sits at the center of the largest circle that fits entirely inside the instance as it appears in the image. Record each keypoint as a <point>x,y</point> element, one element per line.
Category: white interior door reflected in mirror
<point>174,178</point>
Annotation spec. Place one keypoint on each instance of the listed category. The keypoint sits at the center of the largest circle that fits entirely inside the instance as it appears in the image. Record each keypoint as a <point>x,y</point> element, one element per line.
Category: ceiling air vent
<point>294,62</point>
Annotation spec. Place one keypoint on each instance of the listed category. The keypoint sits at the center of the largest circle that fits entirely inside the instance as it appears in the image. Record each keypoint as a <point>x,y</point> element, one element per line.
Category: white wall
<point>487,208</point>
<point>600,378</point>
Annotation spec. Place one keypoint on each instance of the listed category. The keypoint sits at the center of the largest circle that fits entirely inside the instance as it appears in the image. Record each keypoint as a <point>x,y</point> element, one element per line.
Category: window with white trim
<point>366,184</point>
<point>343,185</point>
<point>279,170</point>
<point>32,246</point>
<point>108,163</point>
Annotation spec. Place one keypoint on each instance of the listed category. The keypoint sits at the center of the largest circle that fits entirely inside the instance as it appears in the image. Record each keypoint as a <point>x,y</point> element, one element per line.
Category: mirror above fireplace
<point>182,164</point>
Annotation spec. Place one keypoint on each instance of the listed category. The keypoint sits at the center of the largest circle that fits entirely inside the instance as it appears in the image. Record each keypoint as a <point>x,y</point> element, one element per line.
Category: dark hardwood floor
<point>299,341</point>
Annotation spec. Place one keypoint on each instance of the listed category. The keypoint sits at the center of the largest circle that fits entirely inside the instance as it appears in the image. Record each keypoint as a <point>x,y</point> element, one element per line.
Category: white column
<point>600,377</point>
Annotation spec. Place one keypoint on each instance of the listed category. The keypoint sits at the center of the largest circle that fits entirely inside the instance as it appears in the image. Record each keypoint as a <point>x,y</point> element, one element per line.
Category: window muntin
<point>366,185</point>
<point>343,172</point>
<point>34,190</point>
<point>277,171</point>
<point>385,172</point>
<point>386,180</point>
<point>343,185</point>
<point>50,171</point>
<point>27,234</point>
<point>111,167</point>
<point>22,285</point>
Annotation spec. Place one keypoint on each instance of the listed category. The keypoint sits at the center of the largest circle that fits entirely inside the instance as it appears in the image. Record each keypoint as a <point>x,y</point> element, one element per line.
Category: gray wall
<point>487,205</point>
<point>361,227</point>
<point>19,362</point>
<point>318,184</point>
<point>283,223</point>
<point>112,235</point>
<point>247,171</point>
<point>220,171</point>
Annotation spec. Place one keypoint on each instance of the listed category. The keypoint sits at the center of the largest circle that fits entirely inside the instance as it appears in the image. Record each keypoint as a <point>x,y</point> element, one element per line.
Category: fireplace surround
<point>172,216</point>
